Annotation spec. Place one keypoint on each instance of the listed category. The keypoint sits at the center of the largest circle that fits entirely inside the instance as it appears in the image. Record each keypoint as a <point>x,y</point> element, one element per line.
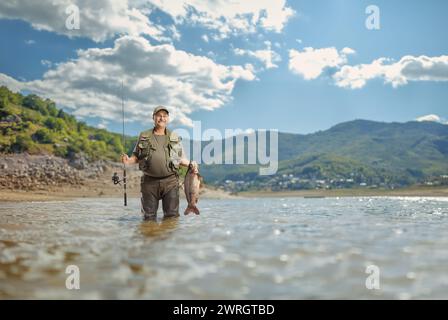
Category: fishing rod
<point>124,147</point>
<point>115,177</point>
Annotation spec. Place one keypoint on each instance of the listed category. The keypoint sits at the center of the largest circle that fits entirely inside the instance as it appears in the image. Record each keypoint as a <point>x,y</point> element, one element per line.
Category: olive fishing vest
<point>146,146</point>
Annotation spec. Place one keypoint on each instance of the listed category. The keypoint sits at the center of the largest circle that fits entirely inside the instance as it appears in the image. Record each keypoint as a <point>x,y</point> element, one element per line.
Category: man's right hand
<point>125,158</point>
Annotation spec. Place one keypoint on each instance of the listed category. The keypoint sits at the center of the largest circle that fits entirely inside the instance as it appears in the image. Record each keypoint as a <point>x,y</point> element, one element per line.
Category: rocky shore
<point>30,173</point>
<point>45,177</point>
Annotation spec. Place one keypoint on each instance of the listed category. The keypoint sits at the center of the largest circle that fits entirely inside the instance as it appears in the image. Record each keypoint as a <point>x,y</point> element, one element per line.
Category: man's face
<point>161,118</point>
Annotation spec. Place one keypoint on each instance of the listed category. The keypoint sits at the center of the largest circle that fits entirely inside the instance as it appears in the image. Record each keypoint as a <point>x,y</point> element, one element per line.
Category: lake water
<point>258,248</point>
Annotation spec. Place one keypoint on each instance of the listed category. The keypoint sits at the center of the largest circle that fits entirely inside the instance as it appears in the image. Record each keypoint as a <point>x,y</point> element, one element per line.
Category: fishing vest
<point>146,146</point>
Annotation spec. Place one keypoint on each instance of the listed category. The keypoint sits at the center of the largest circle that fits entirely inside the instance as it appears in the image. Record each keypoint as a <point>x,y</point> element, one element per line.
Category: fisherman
<point>159,153</point>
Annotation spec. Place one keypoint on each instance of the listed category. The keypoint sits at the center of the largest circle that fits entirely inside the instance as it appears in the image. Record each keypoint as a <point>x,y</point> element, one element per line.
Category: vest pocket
<point>175,153</point>
<point>143,148</point>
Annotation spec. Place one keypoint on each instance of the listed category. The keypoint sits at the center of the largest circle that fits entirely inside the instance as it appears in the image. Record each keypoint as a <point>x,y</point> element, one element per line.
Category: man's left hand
<point>195,167</point>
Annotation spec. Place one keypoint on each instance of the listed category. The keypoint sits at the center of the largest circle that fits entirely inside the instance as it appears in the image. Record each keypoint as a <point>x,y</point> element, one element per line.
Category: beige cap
<point>157,109</point>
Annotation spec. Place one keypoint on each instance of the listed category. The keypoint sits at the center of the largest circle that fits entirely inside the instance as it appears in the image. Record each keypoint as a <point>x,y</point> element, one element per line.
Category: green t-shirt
<point>157,164</point>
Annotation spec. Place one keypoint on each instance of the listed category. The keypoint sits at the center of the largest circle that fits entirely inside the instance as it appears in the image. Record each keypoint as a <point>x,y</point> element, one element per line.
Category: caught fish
<point>192,183</point>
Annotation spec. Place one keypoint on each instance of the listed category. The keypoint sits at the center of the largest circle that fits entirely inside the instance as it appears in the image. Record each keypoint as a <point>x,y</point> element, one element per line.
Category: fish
<point>192,184</point>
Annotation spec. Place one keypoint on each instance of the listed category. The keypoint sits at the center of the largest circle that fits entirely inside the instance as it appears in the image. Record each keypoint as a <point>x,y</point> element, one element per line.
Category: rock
<point>79,162</point>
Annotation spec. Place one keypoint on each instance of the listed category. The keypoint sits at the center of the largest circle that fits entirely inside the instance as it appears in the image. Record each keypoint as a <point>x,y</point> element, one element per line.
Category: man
<point>159,154</point>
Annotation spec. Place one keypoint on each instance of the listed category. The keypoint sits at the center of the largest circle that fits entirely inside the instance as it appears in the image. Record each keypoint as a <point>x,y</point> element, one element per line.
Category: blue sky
<point>206,72</point>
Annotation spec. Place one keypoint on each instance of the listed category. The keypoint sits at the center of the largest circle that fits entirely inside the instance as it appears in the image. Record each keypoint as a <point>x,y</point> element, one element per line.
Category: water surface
<point>258,248</point>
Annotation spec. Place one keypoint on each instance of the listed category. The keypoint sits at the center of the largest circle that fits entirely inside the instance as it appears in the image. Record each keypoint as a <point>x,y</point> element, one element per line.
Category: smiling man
<point>159,154</point>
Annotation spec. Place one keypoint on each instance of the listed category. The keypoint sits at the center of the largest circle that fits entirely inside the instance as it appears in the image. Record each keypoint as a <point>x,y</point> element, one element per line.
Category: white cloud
<point>104,19</point>
<point>229,17</point>
<point>266,56</point>
<point>348,51</point>
<point>409,68</point>
<point>102,125</point>
<point>310,63</point>
<point>205,38</point>
<point>30,42</point>
<point>355,77</point>
<point>153,75</point>
<point>175,34</point>
<point>431,118</point>
<point>11,83</point>
<point>46,63</point>
<point>99,19</point>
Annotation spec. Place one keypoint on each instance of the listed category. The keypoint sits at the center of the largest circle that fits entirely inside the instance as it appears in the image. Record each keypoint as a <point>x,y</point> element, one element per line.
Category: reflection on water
<point>159,229</point>
<point>261,248</point>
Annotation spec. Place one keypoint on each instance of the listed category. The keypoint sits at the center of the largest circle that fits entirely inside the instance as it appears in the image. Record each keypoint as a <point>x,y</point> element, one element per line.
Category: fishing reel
<point>116,178</point>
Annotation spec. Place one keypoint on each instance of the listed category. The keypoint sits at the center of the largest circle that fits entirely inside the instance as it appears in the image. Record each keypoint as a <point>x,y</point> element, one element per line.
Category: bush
<point>3,102</point>
<point>55,124</point>
<point>61,151</point>
<point>22,144</point>
<point>51,107</point>
<point>35,103</point>
<point>43,136</point>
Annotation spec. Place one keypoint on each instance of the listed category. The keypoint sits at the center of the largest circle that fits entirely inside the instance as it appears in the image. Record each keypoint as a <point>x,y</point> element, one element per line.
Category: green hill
<point>347,155</point>
<point>34,125</point>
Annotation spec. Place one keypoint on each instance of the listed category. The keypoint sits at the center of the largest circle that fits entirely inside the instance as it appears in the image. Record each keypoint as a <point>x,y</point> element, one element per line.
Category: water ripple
<point>269,248</point>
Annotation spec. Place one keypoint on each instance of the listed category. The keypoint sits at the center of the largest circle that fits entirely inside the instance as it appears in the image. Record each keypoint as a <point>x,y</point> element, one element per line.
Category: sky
<point>295,66</point>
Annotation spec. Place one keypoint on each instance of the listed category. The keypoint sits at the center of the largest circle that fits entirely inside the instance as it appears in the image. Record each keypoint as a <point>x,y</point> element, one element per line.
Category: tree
<point>32,101</point>
<point>3,102</point>
<point>51,107</point>
<point>55,124</point>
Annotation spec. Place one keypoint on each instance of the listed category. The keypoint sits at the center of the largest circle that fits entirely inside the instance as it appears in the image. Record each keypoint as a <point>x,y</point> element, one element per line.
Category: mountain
<point>347,155</point>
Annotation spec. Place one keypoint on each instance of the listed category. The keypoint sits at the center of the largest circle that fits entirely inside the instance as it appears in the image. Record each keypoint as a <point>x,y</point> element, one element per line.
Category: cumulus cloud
<point>431,118</point>
<point>266,56</point>
<point>152,74</point>
<point>355,77</point>
<point>409,68</point>
<point>104,19</point>
<point>229,17</point>
<point>310,63</point>
<point>99,19</point>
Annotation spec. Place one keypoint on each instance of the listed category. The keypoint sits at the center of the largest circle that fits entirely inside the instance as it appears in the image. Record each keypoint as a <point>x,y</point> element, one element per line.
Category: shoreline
<point>94,191</point>
<point>49,178</point>
<point>64,194</point>
<point>403,192</point>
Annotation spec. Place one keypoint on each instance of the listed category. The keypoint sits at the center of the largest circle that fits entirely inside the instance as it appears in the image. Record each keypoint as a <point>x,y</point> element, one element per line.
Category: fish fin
<point>191,209</point>
<point>201,181</point>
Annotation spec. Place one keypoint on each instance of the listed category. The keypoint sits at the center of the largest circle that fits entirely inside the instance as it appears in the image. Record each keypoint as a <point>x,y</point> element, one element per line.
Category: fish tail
<point>190,209</point>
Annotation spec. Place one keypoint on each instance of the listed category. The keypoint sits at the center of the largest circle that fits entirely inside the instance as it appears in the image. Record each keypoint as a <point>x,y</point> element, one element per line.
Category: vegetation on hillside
<point>34,125</point>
